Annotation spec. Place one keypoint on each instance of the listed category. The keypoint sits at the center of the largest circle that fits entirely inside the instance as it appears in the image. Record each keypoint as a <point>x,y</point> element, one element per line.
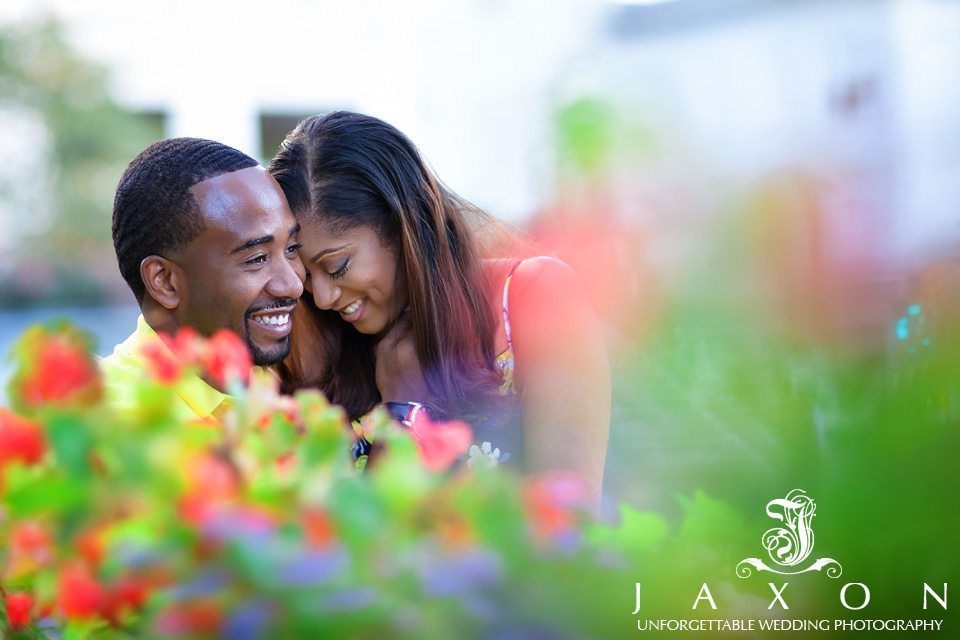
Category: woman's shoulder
<point>541,274</point>
<point>527,270</point>
<point>535,283</point>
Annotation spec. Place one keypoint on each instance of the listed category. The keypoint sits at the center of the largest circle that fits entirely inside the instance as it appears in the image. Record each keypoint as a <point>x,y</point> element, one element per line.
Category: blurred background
<point>760,196</point>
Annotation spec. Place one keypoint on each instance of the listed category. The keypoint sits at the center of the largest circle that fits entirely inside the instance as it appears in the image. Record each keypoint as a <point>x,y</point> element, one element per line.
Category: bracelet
<point>406,412</point>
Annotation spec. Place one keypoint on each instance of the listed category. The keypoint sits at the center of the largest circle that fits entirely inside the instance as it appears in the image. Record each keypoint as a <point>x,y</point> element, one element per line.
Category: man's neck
<point>159,318</point>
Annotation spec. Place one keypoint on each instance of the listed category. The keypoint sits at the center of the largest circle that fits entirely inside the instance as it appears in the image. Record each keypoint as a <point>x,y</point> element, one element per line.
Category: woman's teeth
<point>352,308</point>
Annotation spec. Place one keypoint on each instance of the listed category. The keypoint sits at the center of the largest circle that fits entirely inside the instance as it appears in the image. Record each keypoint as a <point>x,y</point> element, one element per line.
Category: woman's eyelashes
<point>341,270</point>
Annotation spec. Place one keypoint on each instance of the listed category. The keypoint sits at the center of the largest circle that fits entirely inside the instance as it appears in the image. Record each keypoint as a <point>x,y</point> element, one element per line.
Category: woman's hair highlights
<point>344,170</point>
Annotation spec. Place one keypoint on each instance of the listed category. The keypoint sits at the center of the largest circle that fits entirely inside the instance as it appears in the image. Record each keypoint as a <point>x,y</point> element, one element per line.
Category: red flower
<point>61,372</point>
<point>194,618</point>
<point>127,595</point>
<point>30,537</point>
<point>81,596</point>
<point>440,442</point>
<point>227,358</point>
<point>20,439</point>
<point>187,345</point>
<point>165,366</point>
<point>210,482</point>
<point>18,609</point>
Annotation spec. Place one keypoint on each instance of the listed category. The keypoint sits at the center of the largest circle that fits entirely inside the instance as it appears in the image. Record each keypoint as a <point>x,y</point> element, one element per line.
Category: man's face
<point>242,272</point>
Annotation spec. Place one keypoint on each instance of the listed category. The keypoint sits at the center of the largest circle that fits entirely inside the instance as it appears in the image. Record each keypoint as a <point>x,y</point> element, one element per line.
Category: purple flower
<point>457,574</point>
<point>356,598</point>
<point>311,568</point>
<point>247,623</point>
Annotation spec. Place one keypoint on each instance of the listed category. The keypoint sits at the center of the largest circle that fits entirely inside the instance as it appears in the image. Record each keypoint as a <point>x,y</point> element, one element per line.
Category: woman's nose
<point>325,293</point>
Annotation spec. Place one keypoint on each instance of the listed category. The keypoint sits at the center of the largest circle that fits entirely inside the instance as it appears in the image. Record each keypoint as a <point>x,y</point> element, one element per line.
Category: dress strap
<point>506,305</point>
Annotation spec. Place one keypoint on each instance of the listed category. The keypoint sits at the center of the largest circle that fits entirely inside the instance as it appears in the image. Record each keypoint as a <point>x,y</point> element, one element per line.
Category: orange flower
<point>193,618</point>
<point>317,528</point>
<point>227,359</point>
<point>553,502</point>
<point>30,548</point>
<point>18,609</point>
<point>20,439</point>
<point>440,442</point>
<point>61,372</point>
<point>454,531</point>
<point>91,546</point>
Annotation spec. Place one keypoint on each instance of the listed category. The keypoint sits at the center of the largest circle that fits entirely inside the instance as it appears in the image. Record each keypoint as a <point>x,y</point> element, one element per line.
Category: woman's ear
<point>161,280</point>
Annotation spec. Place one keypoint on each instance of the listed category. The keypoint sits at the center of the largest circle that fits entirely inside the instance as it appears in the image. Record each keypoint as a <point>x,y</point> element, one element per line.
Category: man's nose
<point>287,280</point>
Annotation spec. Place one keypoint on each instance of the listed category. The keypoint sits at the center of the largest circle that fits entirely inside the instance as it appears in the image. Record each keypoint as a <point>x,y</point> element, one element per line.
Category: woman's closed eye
<point>341,270</point>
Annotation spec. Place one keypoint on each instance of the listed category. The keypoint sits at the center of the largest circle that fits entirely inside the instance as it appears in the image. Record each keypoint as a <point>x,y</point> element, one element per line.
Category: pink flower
<point>440,443</point>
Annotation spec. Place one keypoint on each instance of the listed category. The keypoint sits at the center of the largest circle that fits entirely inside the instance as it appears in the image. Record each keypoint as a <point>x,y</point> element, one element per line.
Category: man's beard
<point>276,353</point>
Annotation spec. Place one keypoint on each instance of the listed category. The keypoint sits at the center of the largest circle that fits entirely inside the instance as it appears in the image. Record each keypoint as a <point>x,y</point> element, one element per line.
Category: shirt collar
<point>202,399</point>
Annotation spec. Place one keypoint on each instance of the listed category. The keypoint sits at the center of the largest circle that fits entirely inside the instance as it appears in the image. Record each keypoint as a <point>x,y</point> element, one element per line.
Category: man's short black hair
<point>154,211</point>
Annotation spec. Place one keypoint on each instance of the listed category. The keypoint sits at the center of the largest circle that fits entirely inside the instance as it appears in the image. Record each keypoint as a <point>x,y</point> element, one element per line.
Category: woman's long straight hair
<point>345,170</point>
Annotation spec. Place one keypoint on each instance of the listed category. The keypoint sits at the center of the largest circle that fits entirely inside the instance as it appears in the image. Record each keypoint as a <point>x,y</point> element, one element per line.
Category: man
<point>205,239</point>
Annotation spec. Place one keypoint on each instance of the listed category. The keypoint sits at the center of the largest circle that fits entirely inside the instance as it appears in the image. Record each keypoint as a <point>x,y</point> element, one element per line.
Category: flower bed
<point>118,524</point>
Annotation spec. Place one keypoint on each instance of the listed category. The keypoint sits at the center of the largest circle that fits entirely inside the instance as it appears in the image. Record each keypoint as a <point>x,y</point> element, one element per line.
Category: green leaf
<point>71,440</point>
<point>639,533</point>
<point>30,492</point>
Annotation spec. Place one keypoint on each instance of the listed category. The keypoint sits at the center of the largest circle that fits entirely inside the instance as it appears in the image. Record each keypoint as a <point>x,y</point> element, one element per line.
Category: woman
<point>406,308</point>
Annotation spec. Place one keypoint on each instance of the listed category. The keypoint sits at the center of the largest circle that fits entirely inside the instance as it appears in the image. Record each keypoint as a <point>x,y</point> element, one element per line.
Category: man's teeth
<point>352,308</point>
<point>275,321</point>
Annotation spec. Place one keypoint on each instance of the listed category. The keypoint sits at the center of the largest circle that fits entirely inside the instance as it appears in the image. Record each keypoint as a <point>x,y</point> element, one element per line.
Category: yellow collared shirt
<point>126,367</point>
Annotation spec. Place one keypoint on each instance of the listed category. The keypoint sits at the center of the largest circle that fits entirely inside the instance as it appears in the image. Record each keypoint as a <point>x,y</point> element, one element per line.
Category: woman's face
<point>353,274</point>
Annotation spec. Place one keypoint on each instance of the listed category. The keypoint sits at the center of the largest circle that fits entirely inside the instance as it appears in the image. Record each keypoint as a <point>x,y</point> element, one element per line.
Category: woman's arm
<point>562,372</point>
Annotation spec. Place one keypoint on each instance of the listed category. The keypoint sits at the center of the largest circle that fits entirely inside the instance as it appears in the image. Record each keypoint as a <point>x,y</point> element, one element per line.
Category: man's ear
<point>161,278</point>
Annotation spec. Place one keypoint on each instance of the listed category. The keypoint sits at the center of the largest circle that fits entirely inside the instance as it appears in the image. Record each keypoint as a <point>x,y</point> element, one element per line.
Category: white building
<point>728,89</point>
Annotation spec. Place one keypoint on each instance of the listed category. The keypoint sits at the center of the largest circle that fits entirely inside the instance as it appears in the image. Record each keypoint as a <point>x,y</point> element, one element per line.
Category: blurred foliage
<point>133,523</point>
<point>88,144</point>
<point>773,354</point>
<point>584,136</point>
<point>130,522</point>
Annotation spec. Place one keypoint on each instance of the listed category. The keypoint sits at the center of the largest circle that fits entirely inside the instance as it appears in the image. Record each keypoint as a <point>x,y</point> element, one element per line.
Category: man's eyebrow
<point>327,252</point>
<point>249,244</point>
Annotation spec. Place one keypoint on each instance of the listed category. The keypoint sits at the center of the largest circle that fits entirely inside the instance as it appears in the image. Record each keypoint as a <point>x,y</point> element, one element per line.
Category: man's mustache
<point>279,303</point>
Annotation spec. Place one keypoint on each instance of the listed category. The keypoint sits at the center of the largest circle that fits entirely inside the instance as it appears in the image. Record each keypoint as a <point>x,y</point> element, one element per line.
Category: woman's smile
<point>353,311</point>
